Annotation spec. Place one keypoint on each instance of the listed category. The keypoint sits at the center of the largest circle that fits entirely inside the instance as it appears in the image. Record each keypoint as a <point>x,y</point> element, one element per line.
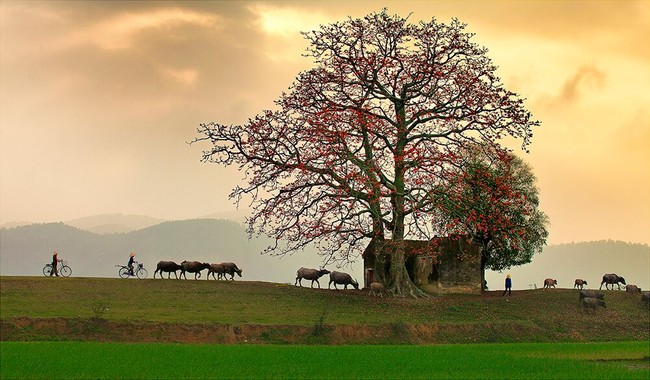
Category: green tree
<point>491,195</point>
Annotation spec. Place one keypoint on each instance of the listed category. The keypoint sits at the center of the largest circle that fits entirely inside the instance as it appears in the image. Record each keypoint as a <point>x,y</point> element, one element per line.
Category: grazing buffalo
<point>645,299</point>
<point>215,268</point>
<point>632,289</point>
<point>167,266</point>
<point>231,269</point>
<point>550,282</point>
<point>193,267</point>
<point>341,278</point>
<point>590,294</point>
<point>310,274</point>
<point>377,289</point>
<point>613,279</point>
<point>591,304</point>
<point>579,283</point>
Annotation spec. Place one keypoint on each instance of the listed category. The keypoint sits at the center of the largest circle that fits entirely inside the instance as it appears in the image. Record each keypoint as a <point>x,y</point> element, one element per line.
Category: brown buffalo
<point>579,283</point>
<point>550,282</point>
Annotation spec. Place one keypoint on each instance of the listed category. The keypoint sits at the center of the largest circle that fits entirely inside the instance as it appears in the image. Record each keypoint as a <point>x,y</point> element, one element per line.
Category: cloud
<point>119,32</point>
<point>286,22</point>
<point>187,77</point>
<point>585,79</point>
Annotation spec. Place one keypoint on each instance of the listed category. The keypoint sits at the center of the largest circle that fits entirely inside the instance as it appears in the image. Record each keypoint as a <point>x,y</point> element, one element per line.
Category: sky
<point>98,100</point>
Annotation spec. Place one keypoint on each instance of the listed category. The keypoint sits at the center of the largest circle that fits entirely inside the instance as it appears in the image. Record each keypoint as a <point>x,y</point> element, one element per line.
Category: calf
<point>579,283</point>
<point>310,274</point>
<point>193,267</point>
<point>341,278</point>
<point>632,289</point>
<point>550,282</point>
<point>167,266</point>
<point>377,289</point>
<point>215,268</point>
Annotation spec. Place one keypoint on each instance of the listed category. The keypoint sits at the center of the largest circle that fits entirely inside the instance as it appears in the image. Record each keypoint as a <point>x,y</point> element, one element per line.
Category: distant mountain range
<point>114,223</point>
<point>92,250</point>
<point>25,250</point>
<point>122,223</point>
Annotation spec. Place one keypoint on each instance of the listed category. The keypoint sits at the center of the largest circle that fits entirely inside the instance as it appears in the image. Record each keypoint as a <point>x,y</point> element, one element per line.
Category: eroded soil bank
<point>102,330</point>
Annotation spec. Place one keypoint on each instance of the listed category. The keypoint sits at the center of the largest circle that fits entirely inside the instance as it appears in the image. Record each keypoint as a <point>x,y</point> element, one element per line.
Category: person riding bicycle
<point>130,264</point>
<point>55,262</point>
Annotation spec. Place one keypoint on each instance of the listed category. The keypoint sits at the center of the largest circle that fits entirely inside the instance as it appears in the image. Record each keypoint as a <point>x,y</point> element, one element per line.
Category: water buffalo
<point>215,268</point>
<point>193,267</point>
<point>341,278</point>
<point>632,289</point>
<point>310,274</point>
<point>579,283</point>
<point>550,282</point>
<point>590,294</point>
<point>167,266</point>
<point>231,269</point>
<point>591,304</point>
<point>645,299</point>
<point>377,289</point>
<point>611,278</point>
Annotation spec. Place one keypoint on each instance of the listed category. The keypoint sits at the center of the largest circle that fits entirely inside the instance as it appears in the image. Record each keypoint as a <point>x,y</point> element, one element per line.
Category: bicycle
<point>63,269</point>
<point>138,271</point>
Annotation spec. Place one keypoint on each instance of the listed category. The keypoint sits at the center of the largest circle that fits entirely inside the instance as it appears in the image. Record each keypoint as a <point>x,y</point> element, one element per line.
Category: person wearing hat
<point>508,286</point>
<point>55,262</point>
<point>130,264</point>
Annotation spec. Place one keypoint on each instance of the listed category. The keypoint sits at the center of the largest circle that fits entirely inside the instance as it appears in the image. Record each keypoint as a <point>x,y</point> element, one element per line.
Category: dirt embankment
<point>102,330</point>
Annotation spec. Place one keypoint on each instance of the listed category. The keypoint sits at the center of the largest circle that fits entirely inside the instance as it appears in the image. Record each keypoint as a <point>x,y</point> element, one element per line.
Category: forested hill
<point>24,250</point>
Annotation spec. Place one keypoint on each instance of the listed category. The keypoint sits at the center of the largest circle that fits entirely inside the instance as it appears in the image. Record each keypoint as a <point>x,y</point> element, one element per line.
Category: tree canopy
<point>491,195</point>
<point>356,145</point>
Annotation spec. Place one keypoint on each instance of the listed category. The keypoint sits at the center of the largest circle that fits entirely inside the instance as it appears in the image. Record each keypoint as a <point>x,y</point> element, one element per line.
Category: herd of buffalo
<point>220,270</point>
<point>589,300</point>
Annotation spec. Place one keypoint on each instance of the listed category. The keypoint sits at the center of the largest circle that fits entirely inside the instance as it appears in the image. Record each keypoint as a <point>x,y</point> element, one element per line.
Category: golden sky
<point>98,100</point>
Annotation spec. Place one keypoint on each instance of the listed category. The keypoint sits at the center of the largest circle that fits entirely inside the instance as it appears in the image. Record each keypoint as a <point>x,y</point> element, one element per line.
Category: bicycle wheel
<point>142,273</point>
<point>124,272</point>
<point>47,269</point>
<point>65,271</point>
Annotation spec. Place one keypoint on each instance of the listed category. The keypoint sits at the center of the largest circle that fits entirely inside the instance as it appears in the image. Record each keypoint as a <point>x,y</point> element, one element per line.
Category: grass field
<point>39,308</point>
<point>113,328</point>
<point>71,360</point>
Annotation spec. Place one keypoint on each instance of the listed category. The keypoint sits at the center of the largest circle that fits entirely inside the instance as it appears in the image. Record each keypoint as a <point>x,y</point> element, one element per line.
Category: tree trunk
<point>400,283</point>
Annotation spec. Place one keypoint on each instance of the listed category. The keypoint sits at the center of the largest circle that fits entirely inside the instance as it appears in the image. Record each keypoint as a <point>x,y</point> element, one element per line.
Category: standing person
<point>130,264</point>
<point>508,286</point>
<point>55,262</point>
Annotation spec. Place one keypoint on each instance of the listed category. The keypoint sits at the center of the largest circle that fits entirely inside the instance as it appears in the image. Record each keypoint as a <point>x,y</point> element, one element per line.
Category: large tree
<point>356,144</point>
<point>491,195</point>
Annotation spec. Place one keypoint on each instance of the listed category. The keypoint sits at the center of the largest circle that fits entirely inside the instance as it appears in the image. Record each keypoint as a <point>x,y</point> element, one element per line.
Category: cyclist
<point>130,264</point>
<point>55,261</point>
